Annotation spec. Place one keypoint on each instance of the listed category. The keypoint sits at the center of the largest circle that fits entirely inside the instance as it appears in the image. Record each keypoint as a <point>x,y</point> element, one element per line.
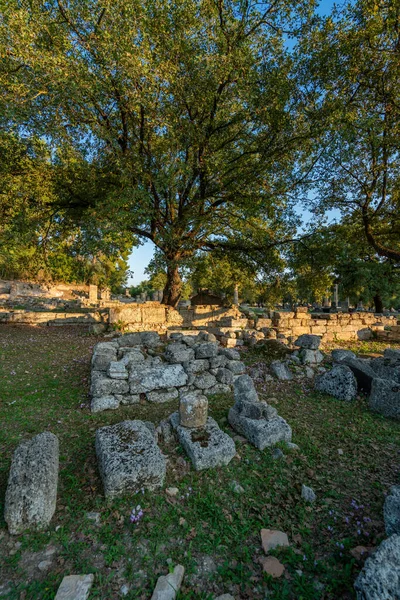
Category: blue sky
<point>141,256</point>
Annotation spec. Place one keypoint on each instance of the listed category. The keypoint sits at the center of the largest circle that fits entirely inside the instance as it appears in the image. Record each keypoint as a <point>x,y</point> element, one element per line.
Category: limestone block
<point>207,447</point>
<point>100,403</point>
<point>105,386</point>
<point>339,382</point>
<point>391,511</point>
<point>261,433</point>
<point>178,353</point>
<point>193,410</point>
<point>31,493</point>
<point>167,586</point>
<point>117,370</point>
<point>204,381</point>
<point>385,397</point>
<point>129,459</point>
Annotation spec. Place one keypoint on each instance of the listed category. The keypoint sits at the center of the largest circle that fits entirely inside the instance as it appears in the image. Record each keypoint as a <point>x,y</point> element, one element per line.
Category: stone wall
<point>330,326</point>
<point>11,290</point>
<point>27,317</point>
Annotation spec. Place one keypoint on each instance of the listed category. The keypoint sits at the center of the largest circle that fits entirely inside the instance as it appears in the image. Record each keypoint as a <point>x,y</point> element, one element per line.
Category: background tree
<point>191,106</point>
<point>353,61</point>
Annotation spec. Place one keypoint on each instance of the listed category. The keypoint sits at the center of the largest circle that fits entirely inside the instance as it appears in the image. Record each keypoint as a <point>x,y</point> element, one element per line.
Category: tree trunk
<point>173,287</point>
<point>378,303</point>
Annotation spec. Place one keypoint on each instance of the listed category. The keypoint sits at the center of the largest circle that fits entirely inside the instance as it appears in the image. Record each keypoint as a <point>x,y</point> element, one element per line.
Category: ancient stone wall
<point>330,326</point>
<point>11,290</point>
<point>31,317</point>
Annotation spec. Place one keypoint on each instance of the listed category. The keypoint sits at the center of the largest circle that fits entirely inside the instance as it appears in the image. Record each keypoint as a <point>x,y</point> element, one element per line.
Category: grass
<point>347,455</point>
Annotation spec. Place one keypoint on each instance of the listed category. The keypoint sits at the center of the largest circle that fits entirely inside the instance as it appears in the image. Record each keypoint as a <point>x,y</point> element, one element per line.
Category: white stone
<point>168,586</point>
<point>75,587</point>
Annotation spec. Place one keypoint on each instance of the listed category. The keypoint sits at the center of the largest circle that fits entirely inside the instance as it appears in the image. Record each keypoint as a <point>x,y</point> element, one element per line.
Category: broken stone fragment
<point>75,587</point>
<point>129,459</point>
<point>167,586</point>
<point>193,410</point>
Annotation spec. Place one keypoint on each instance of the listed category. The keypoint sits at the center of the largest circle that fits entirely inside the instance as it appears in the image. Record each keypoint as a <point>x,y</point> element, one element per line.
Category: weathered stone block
<point>391,511</point>
<point>100,403</point>
<point>178,353</point>
<point>260,433</point>
<point>339,383</point>
<point>129,459</point>
<point>380,576</point>
<point>207,447</point>
<point>158,377</point>
<point>160,396</point>
<point>206,350</point>
<point>31,493</point>
<point>193,410</point>
<point>75,587</point>
<point>385,398</point>
<point>311,342</point>
<point>105,386</point>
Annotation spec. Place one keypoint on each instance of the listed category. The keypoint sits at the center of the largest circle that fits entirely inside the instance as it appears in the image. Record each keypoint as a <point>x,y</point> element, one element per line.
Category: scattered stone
<point>292,446</point>
<point>380,577</point>
<point>277,454</point>
<point>44,565</point>
<point>391,511</point>
<point>339,355</point>
<point>168,586</point>
<point>225,597</point>
<point>172,492</point>
<point>165,431</point>
<point>308,494</point>
<point>385,398</point>
<point>280,370</point>
<point>31,493</point>
<point>339,383</point>
<point>93,516</point>
<point>308,341</point>
<point>236,487</point>
<point>272,566</point>
<point>193,411</point>
<point>129,458</point>
<point>261,433</point>
<point>340,452</point>
<point>272,538</point>
<point>75,587</point>
<point>206,447</point>
<point>310,357</point>
<point>124,590</point>
<point>244,389</point>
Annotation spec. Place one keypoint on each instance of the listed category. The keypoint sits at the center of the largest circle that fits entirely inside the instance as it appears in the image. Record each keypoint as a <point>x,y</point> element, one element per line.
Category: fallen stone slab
<point>380,576</point>
<point>75,587</point>
<point>167,586</point>
<point>391,511</point>
<point>147,379</point>
<point>100,403</point>
<point>207,447</point>
<point>161,396</point>
<point>261,433</point>
<point>340,383</point>
<point>31,493</point>
<point>311,342</point>
<point>385,398</point>
<point>129,458</point>
<point>385,368</point>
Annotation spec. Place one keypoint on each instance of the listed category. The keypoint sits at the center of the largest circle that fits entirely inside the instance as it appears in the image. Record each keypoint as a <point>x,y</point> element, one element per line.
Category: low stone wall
<point>11,290</point>
<point>25,317</point>
<point>330,326</point>
<point>391,335</point>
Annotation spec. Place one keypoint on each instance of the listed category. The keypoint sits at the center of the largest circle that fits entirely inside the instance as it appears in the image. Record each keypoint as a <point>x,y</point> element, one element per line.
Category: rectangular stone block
<point>75,587</point>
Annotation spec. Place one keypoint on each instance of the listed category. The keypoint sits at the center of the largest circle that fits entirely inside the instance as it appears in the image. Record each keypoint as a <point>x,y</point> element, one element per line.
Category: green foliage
<point>352,60</point>
<point>190,111</point>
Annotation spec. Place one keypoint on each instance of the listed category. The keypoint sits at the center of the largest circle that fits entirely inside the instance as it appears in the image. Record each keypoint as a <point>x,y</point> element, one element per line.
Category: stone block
<point>193,410</point>
<point>391,511</point>
<point>168,586</point>
<point>31,493</point>
<point>129,459</point>
<point>206,447</point>
<point>100,403</point>
<point>380,576</point>
<point>280,370</point>
<point>385,398</point>
<point>236,366</point>
<point>310,342</point>
<point>117,370</point>
<point>362,372</point>
<point>178,353</point>
<point>260,433</point>
<point>204,381</point>
<point>244,390</point>
<point>105,386</point>
<point>206,350</point>
<point>339,383</point>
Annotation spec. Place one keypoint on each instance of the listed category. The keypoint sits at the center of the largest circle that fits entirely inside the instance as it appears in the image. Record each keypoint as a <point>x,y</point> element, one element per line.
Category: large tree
<point>190,105</point>
<point>353,63</point>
